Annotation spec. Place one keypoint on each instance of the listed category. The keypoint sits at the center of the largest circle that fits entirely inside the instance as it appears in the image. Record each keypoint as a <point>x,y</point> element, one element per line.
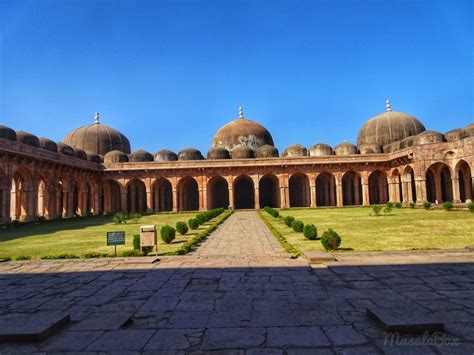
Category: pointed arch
<point>269,191</point>
<point>136,196</point>
<point>162,195</point>
<point>244,192</point>
<point>217,192</point>
<point>464,179</point>
<point>326,189</point>
<point>188,194</point>
<point>351,188</point>
<point>378,187</point>
<point>299,190</point>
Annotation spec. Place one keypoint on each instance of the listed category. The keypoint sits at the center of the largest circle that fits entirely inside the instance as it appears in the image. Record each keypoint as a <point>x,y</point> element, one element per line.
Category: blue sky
<point>168,74</point>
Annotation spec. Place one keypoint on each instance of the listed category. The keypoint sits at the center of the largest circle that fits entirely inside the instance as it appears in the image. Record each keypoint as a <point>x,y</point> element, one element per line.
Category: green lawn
<point>82,235</point>
<point>403,229</point>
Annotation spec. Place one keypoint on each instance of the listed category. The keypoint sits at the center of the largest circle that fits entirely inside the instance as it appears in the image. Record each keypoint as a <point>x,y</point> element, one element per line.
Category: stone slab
<point>318,257</point>
<point>31,327</point>
<point>407,320</point>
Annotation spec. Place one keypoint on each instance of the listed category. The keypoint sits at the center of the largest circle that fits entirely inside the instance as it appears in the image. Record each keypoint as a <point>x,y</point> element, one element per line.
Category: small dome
<point>295,150</point>
<point>48,144</point>
<point>242,152</point>
<point>165,155</point>
<point>190,154</point>
<point>468,131</point>
<point>98,138</point>
<point>267,151</point>
<point>453,135</point>
<point>65,149</point>
<point>140,156</point>
<point>346,148</point>
<point>218,153</point>
<point>115,156</point>
<point>429,137</point>
<point>407,142</point>
<point>79,153</point>
<point>370,149</point>
<point>242,131</point>
<point>392,147</point>
<point>7,133</point>
<point>320,150</point>
<point>27,138</point>
<point>94,157</point>
<point>388,127</point>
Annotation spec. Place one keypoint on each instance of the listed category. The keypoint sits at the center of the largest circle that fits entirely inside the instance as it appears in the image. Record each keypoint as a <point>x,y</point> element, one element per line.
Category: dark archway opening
<point>446,185</point>
<point>218,193</point>
<point>269,191</point>
<point>188,192</point>
<point>465,181</point>
<point>378,188</point>
<point>351,189</point>
<point>325,190</point>
<point>244,193</point>
<point>110,197</point>
<point>299,191</point>
<point>136,196</point>
<point>430,186</point>
<point>162,196</point>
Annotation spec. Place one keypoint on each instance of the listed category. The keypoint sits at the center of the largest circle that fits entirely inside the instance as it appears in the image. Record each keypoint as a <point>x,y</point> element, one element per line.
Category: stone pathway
<point>240,291</point>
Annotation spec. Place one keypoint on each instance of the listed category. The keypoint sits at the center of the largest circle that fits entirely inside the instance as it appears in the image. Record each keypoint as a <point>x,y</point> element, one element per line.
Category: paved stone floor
<point>240,291</point>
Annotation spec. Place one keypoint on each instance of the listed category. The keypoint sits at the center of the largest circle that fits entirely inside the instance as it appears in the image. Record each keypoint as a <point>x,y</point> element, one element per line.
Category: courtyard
<point>239,292</point>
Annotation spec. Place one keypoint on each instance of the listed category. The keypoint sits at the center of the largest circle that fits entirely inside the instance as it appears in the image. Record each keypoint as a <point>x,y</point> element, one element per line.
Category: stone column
<point>339,192</point>
<point>365,192</point>
<point>231,195</point>
<point>203,199</point>
<point>175,199</point>
<point>420,184</point>
<point>312,188</point>
<point>257,197</point>
<point>456,190</point>
<point>357,182</point>
<point>149,196</point>
<point>123,201</point>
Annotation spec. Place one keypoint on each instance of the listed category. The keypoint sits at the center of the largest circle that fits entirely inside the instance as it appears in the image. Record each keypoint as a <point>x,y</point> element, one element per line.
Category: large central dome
<point>98,139</point>
<point>242,132</point>
<point>389,127</point>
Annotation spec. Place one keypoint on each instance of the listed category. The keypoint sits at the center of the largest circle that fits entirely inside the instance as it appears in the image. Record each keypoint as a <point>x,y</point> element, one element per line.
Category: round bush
<point>136,242</point>
<point>448,205</point>
<point>297,225</point>
<point>330,240</point>
<point>200,218</point>
<point>310,231</point>
<point>427,205</point>
<point>470,206</point>
<point>289,220</point>
<point>398,205</point>
<point>167,233</point>
<point>193,223</point>
<point>182,228</point>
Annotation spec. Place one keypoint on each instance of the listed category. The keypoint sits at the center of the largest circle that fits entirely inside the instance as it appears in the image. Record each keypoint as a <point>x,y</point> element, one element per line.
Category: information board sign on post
<point>115,238</point>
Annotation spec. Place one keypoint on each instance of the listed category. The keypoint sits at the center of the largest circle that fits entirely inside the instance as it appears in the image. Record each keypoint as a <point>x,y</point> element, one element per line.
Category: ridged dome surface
<point>295,150</point>
<point>115,156</point>
<point>242,152</point>
<point>28,138</point>
<point>190,154</point>
<point>48,144</point>
<point>267,151</point>
<point>320,150</point>
<point>140,156</point>
<point>346,148</point>
<point>389,127</point>
<point>218,153</point>
<point>7,133</point>
<point>244,132</point>
<point>165,155</point>
<point>370,149</point>
<point>98,139</point>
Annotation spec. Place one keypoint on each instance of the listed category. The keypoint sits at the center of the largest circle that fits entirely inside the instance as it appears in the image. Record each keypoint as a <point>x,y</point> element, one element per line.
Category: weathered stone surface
<point>291,337</point>
<point>176,339</point>
<point>408,319</point>
<point>229,338</point>
<point>72,341</point>
<point>30,327</point>
<point>344,335</point>
<point>318,257</point>
<point>103,321</point>
<point>122,340</point>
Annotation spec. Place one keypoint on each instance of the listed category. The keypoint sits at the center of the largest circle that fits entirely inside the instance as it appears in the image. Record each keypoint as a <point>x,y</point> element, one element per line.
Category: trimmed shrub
<point>388,209</point>
<point>135,217</point>
<point>289,220</point>
<point>182,228</point>
<point>330,240</point>
<point>128,253</point>
<point>193,223</point>
<point>23,257</point>
<point>412,205</point>
<point>389,205</point>
<point>427,205</point>
<point>60,256</point>
<point>168,233</point>
<point>470,206</point>
<point>120,218</point>
<point>398,205</point>
<point>310,231</point>
<point>200,218</point>
<point>297,225</point>
<point>271,211</point>
<point>136,242</point>
<point>94,254</point>
<point>376,210</point>
<point>448,205</point>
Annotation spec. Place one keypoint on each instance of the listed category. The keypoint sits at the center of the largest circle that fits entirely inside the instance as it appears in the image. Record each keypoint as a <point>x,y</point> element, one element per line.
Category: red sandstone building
<point>94,171</point>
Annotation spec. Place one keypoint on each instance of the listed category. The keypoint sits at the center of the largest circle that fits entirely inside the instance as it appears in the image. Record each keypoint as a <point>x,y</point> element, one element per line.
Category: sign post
<point>148,238</point>
<point>116,238</point>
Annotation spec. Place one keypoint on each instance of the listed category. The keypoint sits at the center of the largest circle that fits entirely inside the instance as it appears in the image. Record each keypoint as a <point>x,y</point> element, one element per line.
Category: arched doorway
<point>244,192</point>
<point>396,181</point>
<point>136,196</point>
<point>439,185</point>
<point>299,190</point>
<point>162,195</point>
<point>188,194</point>
<point>42,199</point>
<point>111,197</point>
<point>410,184</point>
<point>269,191</point>
<point>325,190</point>
<point>217,193</point>
<point>20,207</point>
<point>446,184</point>
<point>378,188</point>
<point>351,189</point>
<point>430,186</point>
<point>464,180</point>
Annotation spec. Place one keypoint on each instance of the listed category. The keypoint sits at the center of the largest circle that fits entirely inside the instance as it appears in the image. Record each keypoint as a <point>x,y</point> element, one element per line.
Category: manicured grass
<point>84,235</point>
<point>403,229</point>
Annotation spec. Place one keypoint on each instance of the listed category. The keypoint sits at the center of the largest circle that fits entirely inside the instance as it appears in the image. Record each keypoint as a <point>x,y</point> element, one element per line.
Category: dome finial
<point>97,118</point>
<point>241,112</point>
<point>388,107</point>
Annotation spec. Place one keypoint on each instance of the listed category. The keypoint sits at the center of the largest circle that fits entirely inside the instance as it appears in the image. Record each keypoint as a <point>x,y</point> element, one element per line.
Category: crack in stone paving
<point>240,291</point>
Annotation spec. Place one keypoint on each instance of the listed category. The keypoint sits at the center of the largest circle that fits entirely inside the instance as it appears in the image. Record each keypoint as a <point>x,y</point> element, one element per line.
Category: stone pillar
<point>456,190</point>
<point>257,197</point>
<point>365,192</point>
<point>123,201</point>
<point>149,196</point>
<point>357,182</point>
<point>203,199</point>
<point>339,192</point>
<point>420,184</point>
<point>231,195</point>
<point>312,188</point>
<point>175,199</point>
